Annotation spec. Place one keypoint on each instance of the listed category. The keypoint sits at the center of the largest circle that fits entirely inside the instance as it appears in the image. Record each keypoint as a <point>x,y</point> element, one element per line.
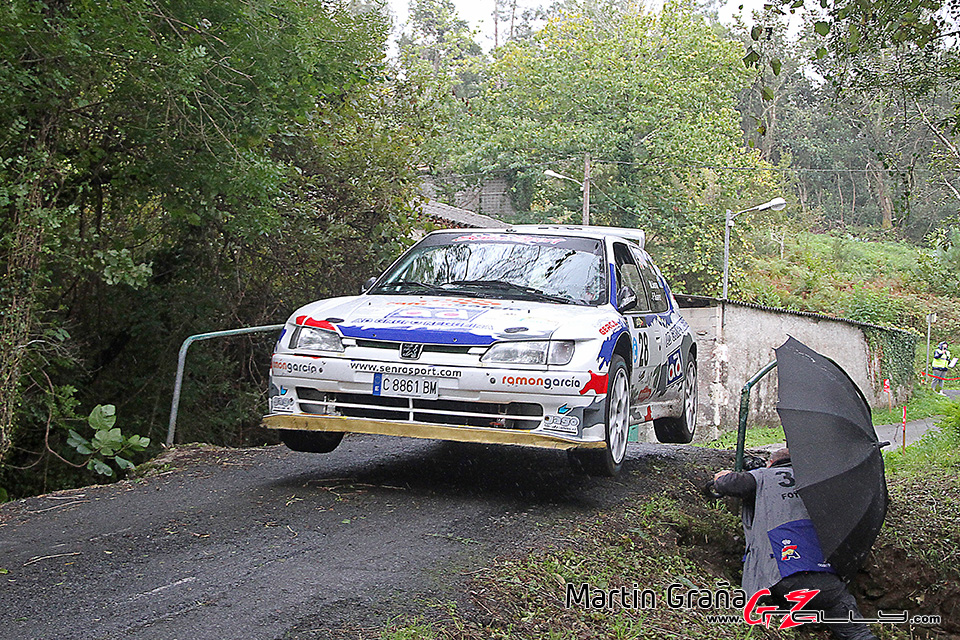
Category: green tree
<point>170,166</point>
<point>871,154</point>
<point>438,71</point>
<point>650,97</point>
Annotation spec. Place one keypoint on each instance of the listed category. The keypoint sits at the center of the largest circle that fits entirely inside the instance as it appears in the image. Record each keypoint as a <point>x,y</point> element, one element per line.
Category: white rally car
<point>545,336</point>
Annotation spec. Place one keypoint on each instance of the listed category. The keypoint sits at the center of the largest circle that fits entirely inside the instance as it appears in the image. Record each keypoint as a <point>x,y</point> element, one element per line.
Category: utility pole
<point>586,190</point>
<point>584,186</point>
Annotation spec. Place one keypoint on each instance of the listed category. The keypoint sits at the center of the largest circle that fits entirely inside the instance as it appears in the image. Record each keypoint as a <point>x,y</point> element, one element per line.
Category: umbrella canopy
<point>836,456</point>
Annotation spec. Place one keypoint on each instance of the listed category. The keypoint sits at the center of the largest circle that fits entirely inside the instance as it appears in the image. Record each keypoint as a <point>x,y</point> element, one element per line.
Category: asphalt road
<point>268,543</point>
<point>894,433</point>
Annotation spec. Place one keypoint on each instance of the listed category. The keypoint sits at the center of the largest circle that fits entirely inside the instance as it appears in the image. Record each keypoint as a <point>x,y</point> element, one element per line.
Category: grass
<point>835,274</point>
<point>755,437</point>
<point>924,486</point>
<point>923,404</point>
<point>937,450</point>
<point>410,630</point>
<point>856,257</point>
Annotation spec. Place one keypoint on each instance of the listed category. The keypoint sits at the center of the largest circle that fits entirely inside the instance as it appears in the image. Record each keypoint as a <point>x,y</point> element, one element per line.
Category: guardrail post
<point>745,409</point>
<point>182,360</point>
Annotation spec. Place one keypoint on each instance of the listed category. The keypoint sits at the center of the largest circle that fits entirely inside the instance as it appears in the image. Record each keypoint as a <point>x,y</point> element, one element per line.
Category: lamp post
<point>777,204</point>
<point>584,186</point>
<point>931,318</point>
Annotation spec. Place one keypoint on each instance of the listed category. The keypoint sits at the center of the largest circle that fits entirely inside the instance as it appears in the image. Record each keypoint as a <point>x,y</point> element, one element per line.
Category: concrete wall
<point>705,324</point>
<point>735,341</point>
<point>492,198</point>
<point>750,336</point>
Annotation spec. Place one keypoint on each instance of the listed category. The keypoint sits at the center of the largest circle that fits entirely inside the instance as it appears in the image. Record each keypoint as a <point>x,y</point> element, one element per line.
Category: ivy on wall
<point>891,356</point>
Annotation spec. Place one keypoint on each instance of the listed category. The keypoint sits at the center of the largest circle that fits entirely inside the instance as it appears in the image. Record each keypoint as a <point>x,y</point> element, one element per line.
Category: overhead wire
<point>453,177</point>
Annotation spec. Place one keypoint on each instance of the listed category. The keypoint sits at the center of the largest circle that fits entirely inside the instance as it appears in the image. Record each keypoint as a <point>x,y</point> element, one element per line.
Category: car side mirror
<point>627,299</point>
<point>366,286</point>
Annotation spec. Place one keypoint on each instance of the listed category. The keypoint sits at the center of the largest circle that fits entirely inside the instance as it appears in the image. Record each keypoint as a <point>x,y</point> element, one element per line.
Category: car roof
<point>632,235</point>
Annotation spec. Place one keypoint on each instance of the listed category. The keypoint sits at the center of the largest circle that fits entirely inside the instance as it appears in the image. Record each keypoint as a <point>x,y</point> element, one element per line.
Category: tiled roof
<point>686,300</point>
<point>460,217</point>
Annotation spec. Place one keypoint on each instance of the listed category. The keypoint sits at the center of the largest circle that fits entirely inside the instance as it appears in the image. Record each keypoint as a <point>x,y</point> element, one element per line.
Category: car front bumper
<point>488,435</point>
<point>554,408</point>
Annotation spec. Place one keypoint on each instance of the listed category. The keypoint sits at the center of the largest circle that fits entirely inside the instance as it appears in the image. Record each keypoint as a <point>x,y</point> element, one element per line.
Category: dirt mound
<point>892,581</point>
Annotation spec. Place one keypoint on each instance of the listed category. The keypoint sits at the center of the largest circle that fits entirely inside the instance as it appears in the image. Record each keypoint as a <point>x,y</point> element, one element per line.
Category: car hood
<point>447,320</point>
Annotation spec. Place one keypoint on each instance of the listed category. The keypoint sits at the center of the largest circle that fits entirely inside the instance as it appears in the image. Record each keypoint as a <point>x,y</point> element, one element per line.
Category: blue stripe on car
<point>417,334</point>
<point>606,349</point>
<point>613,285</point>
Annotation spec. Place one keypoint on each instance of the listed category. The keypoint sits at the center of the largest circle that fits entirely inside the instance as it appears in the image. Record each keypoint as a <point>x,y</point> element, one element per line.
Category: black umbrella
<point>836,456</point>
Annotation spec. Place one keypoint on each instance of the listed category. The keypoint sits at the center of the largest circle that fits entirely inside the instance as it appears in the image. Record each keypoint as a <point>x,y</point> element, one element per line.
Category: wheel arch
<point>624,350</point>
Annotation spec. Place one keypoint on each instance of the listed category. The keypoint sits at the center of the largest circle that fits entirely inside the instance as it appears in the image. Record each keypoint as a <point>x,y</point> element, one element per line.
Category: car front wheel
<point>609,460</point>
<point>310,441</point>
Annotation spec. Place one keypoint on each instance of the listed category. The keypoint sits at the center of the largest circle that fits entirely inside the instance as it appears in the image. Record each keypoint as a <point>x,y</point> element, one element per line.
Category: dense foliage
<point>174,167</point>
<point>649,97</point>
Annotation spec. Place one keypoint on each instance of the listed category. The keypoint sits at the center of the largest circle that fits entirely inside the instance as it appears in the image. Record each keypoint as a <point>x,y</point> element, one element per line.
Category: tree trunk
<point>886,205</point>
<point>853,203</point>
<point>840,193</point>
<point>883,198</point>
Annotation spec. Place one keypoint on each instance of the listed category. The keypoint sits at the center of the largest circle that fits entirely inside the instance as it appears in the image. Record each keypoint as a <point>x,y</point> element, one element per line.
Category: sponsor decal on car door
<point>669,357</point>
<point>645,335</point>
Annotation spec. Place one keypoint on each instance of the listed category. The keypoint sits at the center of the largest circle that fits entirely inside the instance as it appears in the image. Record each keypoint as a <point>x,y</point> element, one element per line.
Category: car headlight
<point>558,352</point>
<point>314,339</point>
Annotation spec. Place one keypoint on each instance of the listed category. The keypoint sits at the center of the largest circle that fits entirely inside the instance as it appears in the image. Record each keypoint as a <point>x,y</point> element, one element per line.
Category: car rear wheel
<point>310,441</point>
<point>609,460</point>
<point>681,428</point>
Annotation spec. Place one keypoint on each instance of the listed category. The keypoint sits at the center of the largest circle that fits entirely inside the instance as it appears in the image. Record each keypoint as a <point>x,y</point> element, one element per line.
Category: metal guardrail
<point>182,359</point>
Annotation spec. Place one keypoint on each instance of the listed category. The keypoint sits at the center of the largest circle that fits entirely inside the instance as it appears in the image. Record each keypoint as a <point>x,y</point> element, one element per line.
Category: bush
<point>872,306</point>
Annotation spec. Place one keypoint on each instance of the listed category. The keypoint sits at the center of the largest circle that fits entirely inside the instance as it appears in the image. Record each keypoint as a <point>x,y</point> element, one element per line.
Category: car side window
<point>658,297</point>
<point>642,259</point>
<point>628,274</point>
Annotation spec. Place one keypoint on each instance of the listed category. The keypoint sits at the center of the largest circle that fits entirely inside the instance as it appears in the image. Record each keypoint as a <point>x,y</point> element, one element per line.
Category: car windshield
<point>502,265</point>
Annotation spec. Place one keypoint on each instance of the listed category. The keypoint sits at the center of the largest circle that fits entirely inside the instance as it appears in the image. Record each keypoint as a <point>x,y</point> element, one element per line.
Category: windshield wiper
<point>407,285</point>
<point>502,286</point>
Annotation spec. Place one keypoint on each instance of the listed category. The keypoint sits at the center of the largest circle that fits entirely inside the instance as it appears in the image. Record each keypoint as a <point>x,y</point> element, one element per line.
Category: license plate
<point>405,386</point>
<point>280,404</point>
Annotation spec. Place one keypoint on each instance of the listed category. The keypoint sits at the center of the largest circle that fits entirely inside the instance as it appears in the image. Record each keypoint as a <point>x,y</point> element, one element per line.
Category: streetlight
<point>777,204</point>
<point>584,186</point>
<point>553,174</point>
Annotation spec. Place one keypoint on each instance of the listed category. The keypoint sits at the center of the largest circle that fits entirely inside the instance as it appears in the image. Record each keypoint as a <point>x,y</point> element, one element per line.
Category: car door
<point>645,336</point>
<point>668,367</point>
<point>655,326</point>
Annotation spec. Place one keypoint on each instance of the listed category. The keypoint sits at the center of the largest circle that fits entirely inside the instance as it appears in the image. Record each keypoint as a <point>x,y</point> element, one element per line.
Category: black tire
<point>310,441</point>
<point>616,413</point>
<point>680,429</point>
